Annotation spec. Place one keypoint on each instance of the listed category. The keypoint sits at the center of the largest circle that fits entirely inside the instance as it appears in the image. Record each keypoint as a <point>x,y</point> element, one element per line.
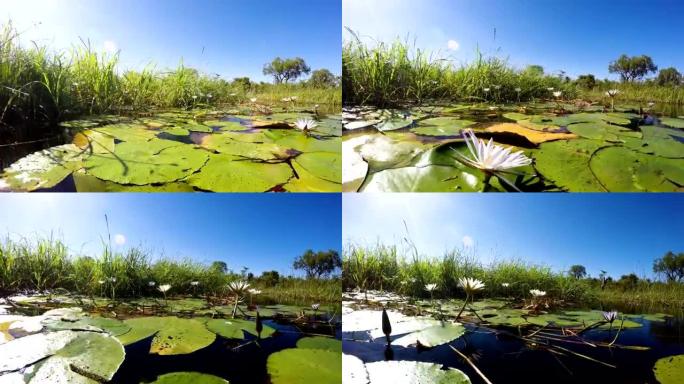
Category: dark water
<point>239,366</point>
<point>507,360</point>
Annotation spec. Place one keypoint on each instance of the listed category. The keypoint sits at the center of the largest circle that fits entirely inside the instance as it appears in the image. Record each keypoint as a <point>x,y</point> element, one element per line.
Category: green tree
<point>243,83</point>
<point>578,271</point>
<point>632,68</point>
<point>669,76</point>
<point>219,266</point>
<point>270,278</point>
<point>671,265</point>
<point>628,282</point>
<point>323,78</point>
<point>284,70</point>
<point>534,70</point>
<point>318,264</point>
<point>586,81</point>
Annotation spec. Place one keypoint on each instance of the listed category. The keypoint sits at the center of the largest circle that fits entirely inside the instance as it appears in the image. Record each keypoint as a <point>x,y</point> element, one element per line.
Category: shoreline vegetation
<point>40,88</point>
<point>46,266</point>
<point>386,268</point>
<point>398,74</point>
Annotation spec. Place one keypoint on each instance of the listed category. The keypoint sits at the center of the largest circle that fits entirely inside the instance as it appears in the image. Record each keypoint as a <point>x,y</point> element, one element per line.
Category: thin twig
<point>477,370</point>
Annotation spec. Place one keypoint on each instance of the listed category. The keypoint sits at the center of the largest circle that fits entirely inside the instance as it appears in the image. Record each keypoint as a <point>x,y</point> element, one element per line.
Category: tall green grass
<point>45,265</point>
<point>39,88</point>
<point>398,73</point>
<point>382,267</point>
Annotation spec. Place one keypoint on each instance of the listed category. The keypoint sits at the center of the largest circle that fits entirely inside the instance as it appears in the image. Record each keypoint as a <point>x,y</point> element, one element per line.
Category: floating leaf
<point>189,377</point>
<point>442,126</point>
<point>670,370</point>
<point>227,173</point>
<point>566,163</point>
<point>324,165</point>
<point>432,336</point>
<point>303,365</point>
<point>235,328</point>
<point>672,122</point>
<point>319,342</point>
<point>353,370</point>
<point>534,136</point>
<point>410,372</point>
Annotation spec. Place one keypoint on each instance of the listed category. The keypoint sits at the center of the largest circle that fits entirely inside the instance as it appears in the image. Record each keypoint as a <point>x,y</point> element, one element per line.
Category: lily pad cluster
<point>417,150</point>
<point>182,152</point>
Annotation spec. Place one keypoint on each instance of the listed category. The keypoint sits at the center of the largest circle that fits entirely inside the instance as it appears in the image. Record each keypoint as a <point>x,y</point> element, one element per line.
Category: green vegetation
<point>45,265</point>
<point>386,268</point>
<point>397,74</point>
<point>39,88</point>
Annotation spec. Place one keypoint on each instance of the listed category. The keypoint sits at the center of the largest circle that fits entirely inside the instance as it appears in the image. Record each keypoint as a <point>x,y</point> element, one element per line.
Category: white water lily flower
<point>286,99</point>
<point>315,306</point>
<point>610,316</point>
<point>537,293</point>
<point>101,282</point>
<point>75,84</point>
<point>557,94</point>
<point>194,283</point>
<point>210,96</point>
<point>194,97</point>
<point>550,89</point>
<point>505,285</point>
<point>316,106</point>
<point>490,156</point>
<point>430,287</point>
<point>612,92</point>
<point>238,286</point>
<point>293,98</point>
<point>470,285</point>
<point>486,89</point>
<point>233,94</point>
<point>112,279</point>
<point>253,99</point>
<point>305,124</point>
<point>151,284</point>
<point>650,104</point>
<point>254,291</point>
<point>518,90</point>
<point>164,288</point>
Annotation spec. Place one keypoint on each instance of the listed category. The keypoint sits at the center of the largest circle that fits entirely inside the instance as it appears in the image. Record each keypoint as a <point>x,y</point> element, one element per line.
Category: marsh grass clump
<point>363,269</point>
<point>398,73</point>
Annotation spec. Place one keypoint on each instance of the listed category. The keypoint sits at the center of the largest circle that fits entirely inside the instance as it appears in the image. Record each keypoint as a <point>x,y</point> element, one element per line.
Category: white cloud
<point>110,47</point>
<point>468,241</point>
<point>453,45</point>
<point>119,239</point>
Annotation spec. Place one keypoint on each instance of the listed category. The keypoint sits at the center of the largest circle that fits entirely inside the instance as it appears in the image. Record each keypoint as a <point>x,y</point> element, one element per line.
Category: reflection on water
<point>508,360</point>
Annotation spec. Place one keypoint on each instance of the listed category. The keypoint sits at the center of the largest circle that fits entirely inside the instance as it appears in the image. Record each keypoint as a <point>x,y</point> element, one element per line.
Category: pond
<point>184,340</point>
<point>572,147</point>
<point>183,151</point>
<point>509,344</point>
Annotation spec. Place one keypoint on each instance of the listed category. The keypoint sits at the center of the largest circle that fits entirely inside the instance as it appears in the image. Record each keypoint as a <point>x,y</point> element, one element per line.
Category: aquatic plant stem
<point>475,368</point>
<point>462,308</point>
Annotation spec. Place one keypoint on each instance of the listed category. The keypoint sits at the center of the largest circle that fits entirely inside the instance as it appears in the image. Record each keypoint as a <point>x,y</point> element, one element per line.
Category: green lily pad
<point>127,132</point>
<point>24,351</point>
<point>319,342</point>
<point>43,169</point>
<point>601,131</point>
<point>140,328</point>
<point>228,146</point>
<point>180,336</point>
<point>227,173</point>
<point>307,182</point>
<point>660,141</point>
<point>566,163</point>
<point>394,124</point>
<point>304,143</point>
<point>410,372</point>
<point>112,326</point>
<point>432,178</point>
<point>155,161</point>
<point>672,122</point>
<point>303,365</point>
<point>442,126</point>
<point>432,336</point>
<point>670,370</point>
<point>324,165</point>
<point>235,328</point>
<point>189,377</point>
<point>90,355</point>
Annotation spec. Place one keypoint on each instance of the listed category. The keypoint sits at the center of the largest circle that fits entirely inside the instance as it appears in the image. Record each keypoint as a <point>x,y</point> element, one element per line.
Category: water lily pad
<point>90,355</point>
<point>670,370</point>
<point>112,326</point>
<point>432,336</point>
<point>360,124</point>
<point>394,124</point>
<point>325,165</point>
<point>228,146</point>
<point>189,377</point>
<point>534,136</point>
<point>601,131</point>
<point>235,328</point>
<point>154,161</point>
<point>227,173</point>
<point>410,372</point>
<point>353,370</point>
<point>127,132</point>
<point>672,122</point>
<point>303,365</point>
<point>442,126</point>
<point>432,178</point>
<point>319,342</point>
<point>660,141</point>
<point>43,169</point>
<point>26,350</point>
<point>307,182</point>
<point>304,143</point>
<point>140,329</point>
<point>566,163</point>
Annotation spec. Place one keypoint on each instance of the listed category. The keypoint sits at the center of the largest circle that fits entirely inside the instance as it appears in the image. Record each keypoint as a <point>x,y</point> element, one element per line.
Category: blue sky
<point>230,37</point>
<point>260,231</point>
<point>619,233</point>
<point>578,36</point>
